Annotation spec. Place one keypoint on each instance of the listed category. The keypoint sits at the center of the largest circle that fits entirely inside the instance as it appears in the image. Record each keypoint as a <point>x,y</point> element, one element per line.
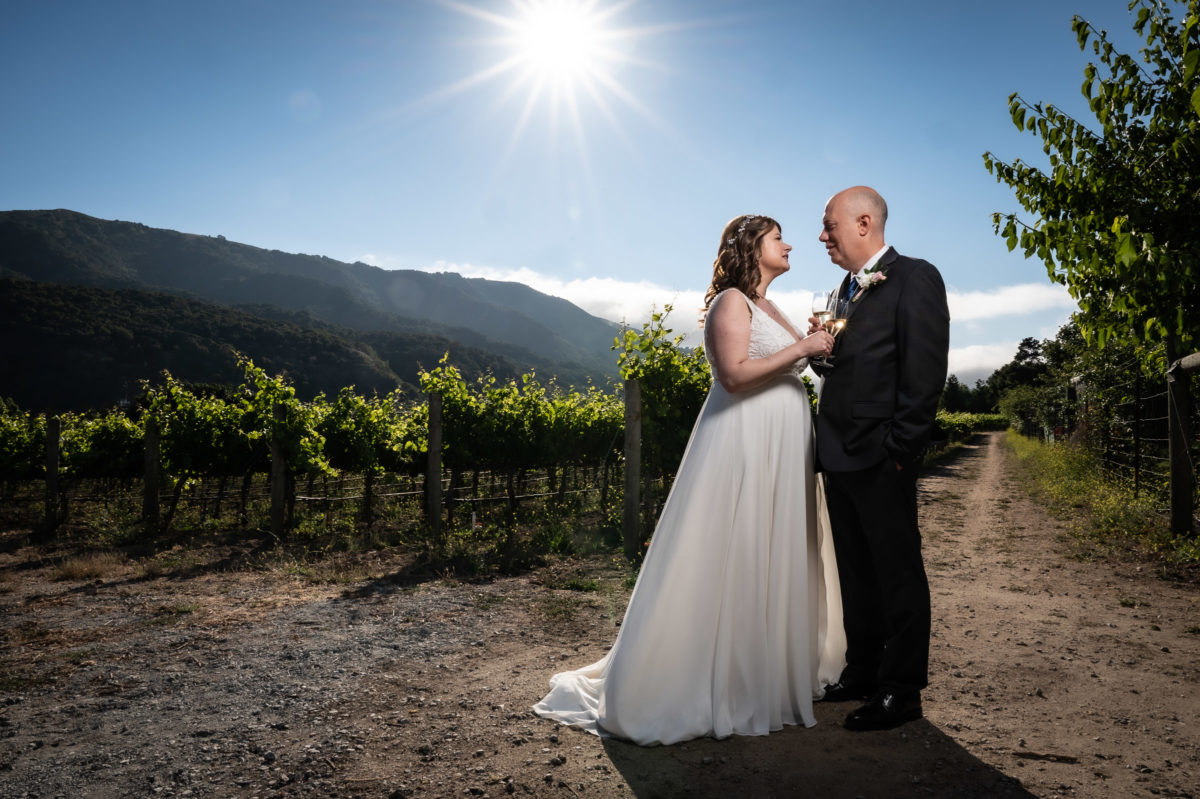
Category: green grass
<point>171,614</point>
<point>78,656</point>
<point>559,608</point>
<point>575,584</point>
<point>1098,509</point>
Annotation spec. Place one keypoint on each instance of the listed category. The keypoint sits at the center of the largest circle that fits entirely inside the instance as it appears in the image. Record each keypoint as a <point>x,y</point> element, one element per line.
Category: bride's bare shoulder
<point>730,312</point>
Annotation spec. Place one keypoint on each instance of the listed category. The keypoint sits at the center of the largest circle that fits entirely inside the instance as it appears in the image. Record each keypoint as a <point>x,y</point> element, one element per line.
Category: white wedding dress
<point>735,623</point>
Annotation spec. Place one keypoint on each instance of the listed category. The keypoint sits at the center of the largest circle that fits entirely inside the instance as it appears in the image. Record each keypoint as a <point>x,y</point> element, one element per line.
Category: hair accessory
<point>741,228</point>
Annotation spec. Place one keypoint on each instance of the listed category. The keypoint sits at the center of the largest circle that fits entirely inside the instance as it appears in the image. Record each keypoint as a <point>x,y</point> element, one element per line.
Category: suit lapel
<point>863,295</point>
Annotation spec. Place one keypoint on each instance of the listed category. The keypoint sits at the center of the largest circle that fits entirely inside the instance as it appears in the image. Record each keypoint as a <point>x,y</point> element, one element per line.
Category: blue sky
<point>384,131</point>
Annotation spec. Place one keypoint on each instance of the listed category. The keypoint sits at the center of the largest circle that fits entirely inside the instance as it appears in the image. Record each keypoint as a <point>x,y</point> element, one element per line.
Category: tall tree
<point>955,396</point>
<point>1115,214</point>
<point>1027,368</point>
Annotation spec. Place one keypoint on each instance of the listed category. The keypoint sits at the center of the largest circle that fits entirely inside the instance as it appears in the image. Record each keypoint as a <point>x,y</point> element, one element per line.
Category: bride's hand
<point>814,324</point>
<point>817,343</point>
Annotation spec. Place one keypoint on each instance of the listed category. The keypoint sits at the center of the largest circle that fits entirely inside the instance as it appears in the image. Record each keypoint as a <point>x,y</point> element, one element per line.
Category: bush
<point>958,426</point>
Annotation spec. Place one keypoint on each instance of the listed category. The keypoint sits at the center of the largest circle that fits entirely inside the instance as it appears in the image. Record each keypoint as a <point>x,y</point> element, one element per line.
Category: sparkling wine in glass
<point>823,305</point>
<point>835,322</point>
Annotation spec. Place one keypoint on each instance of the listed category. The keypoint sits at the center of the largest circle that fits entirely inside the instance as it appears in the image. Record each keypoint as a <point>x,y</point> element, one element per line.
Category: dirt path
<point>1052,676</point>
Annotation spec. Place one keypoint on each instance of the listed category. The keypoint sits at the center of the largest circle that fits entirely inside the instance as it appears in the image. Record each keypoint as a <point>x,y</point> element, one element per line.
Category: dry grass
<point>90,566</point>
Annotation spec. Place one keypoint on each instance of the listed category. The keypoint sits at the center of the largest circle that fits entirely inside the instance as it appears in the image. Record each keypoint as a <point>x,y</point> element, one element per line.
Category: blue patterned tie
<point>853,288</point>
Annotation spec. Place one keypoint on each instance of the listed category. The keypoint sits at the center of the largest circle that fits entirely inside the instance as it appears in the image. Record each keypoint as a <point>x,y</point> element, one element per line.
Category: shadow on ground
<point>916,760</point>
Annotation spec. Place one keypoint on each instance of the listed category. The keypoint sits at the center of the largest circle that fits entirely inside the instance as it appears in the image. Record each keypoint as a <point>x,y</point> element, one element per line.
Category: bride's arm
<point>728,339</point>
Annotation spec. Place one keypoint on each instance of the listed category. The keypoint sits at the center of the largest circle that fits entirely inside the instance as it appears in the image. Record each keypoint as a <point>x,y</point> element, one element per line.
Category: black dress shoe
<point>845,692</point>
<point>887,710</point>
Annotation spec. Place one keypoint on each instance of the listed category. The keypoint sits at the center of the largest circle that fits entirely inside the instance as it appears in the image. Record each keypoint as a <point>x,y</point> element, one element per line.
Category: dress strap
<point>740,294</point>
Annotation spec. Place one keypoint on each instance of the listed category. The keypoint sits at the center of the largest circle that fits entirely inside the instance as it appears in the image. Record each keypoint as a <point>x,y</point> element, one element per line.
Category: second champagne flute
<point>822,308</point>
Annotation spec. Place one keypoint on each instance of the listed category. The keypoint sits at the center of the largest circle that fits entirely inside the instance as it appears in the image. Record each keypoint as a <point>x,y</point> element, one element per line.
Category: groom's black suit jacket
<point>880,398</point>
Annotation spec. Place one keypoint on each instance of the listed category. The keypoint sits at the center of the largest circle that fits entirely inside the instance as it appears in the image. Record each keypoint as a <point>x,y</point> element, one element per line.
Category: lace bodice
<point>766,335</point>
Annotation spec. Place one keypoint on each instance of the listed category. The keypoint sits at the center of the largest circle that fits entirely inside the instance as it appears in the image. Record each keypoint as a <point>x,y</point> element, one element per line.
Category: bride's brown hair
<point>736,265</point>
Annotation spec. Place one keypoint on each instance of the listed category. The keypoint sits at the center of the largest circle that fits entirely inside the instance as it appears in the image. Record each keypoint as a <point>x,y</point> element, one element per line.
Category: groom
<point>878,402</point>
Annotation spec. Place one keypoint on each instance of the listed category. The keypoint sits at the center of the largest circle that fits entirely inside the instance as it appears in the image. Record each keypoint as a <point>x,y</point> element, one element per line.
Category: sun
<point>561,55</point>
<point>562,41</point>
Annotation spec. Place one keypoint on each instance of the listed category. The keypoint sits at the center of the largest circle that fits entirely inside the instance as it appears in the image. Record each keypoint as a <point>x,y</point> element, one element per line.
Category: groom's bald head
<point>852,229</point>
<point>865,200</point>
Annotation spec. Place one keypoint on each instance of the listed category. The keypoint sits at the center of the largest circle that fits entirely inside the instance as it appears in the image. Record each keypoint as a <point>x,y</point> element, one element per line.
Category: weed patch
<point>172,614</point>
<point>559,608</point>
<point>1097,508</point>
<point>575,584</point>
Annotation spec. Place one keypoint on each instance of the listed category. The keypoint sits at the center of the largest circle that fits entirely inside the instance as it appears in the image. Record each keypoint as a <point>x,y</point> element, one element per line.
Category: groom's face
<point>839,234</point>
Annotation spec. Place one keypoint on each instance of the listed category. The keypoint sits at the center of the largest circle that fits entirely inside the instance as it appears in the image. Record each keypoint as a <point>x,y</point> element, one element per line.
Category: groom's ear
<point>864,224</point>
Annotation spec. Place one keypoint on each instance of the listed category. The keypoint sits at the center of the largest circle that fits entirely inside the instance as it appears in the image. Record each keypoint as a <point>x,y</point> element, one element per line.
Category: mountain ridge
<point>68,247</point>
<point>269,304</point>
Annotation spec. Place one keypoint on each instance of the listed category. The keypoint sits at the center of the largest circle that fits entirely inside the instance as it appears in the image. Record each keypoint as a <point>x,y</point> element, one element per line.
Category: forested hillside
<point>67,247</point>
<point>73,347</point>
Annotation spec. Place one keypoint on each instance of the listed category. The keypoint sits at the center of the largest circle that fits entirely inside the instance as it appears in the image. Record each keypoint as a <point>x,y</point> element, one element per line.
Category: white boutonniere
<point>867,278</point>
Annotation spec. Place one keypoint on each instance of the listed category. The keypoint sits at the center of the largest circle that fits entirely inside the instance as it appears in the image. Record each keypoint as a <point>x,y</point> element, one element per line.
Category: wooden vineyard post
<point>53,436</point>
<point>278,475</point>
<point>1183,475</point>
<point>433,468</point>
<point>631,521</point>
<point>150,482</point>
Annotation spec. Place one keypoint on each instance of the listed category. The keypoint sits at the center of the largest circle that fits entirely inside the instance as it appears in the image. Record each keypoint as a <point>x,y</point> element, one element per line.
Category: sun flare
<point>562,41</point>
<point>562,55</point>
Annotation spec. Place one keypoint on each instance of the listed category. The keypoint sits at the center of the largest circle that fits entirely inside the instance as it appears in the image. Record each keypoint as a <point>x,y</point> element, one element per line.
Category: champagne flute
<point>836,321</point>
<point>821,305</point>
<point>823,309</point>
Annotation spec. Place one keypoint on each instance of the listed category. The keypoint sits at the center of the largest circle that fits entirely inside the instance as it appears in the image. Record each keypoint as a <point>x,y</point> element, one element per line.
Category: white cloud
<point>617,300</point>
<point>978,361</point>
<point>634,301</point>
<point>631,302</point>
<point>1019,300</point>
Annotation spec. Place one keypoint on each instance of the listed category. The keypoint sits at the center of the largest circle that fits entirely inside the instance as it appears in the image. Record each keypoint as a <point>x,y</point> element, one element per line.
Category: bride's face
<point>773,254</point>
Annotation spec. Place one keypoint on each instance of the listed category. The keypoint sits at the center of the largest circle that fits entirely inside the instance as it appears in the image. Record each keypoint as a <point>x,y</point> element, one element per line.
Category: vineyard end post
<point>631,521</point>
<point>150,483</point>
<point>278,475</point>
<point>1183,477</point>
<point>433,469</point>
<point>53,437</point>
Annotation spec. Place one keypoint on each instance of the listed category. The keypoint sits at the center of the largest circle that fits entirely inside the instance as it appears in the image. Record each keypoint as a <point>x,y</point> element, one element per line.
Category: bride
<point>735,623</point>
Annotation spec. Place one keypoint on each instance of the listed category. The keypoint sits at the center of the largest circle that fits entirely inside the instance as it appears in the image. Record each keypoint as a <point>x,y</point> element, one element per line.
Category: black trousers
<point>885,593</point>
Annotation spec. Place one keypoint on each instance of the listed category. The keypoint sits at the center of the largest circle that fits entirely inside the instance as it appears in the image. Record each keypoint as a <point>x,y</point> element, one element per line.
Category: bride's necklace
<point>765,305</point>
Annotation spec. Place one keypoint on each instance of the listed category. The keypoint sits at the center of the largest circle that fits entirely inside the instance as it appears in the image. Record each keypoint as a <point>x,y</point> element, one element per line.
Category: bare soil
<point>1053,675</point>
